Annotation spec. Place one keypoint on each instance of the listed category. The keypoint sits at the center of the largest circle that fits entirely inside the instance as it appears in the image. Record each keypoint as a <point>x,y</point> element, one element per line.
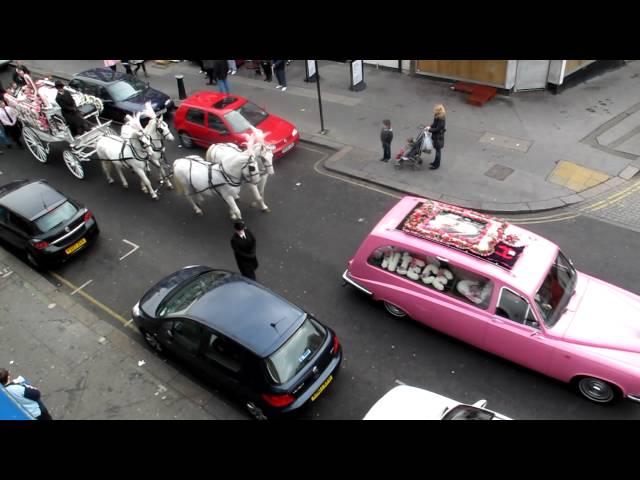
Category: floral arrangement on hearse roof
<point>458,227</point>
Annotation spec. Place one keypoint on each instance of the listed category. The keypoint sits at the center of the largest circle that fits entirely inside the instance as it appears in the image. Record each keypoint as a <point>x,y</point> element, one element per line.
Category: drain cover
<point>499,172</point>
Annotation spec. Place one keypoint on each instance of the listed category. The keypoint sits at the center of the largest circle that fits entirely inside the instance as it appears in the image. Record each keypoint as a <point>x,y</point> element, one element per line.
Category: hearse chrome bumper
<point>635,398</point>
<point>347,279</point>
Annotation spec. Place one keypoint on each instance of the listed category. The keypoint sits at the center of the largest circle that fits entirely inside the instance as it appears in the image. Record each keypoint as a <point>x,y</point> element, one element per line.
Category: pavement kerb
<point>538,206</point>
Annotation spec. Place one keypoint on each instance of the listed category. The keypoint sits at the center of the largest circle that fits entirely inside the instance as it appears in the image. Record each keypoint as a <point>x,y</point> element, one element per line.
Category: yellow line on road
<point>95,302</point>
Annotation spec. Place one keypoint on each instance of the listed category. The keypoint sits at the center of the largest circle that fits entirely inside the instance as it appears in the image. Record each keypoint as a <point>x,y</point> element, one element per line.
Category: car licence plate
<point>322,387</point>
<point>287,148</point>
<point>75,246</point>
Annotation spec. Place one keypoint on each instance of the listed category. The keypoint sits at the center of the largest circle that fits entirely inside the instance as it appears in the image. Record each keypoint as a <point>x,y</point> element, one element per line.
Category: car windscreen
<point>125,89</point>
<point>56,217</point>
<point>467,412</point>
<point>556,290</point>
<point>245,116</point>
<point>297,352</point>
<point>182,299</point>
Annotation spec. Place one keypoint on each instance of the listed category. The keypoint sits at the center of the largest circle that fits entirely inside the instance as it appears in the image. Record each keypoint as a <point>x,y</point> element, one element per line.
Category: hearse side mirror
<point>480,404</point>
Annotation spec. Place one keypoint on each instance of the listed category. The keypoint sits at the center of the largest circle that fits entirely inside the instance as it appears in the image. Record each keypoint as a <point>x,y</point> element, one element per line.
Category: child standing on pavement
<point>386,136</point>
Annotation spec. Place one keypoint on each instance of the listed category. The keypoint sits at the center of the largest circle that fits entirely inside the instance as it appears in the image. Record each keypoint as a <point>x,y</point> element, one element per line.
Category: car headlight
<point>295,132</point>
<point>136,310</point>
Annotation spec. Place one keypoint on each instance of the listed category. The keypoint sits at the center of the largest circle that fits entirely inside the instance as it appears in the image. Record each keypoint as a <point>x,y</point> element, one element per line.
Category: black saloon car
<point>38,220</point>
<point>121,94</point>
<point>269,353</point>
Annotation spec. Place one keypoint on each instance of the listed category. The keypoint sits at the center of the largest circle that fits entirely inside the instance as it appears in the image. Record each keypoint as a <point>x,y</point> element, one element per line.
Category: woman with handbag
<point>437,130</point>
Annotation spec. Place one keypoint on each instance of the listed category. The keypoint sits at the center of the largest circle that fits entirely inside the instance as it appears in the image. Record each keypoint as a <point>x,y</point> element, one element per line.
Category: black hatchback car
<point>120,93</point>
<point>47,226</point>
<point>269,353</point>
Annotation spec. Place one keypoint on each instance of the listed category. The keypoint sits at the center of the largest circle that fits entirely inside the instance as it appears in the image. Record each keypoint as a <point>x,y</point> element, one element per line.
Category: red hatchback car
<point>206,118</point>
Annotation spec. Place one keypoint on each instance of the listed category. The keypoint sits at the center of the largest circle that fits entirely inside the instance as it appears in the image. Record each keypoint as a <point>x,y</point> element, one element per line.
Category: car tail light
<point>278,400</point>
<point>88,215</point>
<point>40,244</point>
<point>336,345</point>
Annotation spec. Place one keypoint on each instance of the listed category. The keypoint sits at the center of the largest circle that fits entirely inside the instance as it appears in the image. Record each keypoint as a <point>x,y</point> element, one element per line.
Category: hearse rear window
<point>432,273</point>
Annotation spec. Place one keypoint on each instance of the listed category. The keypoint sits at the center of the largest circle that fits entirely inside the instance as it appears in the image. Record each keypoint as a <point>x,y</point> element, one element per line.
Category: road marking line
<point>129,322</point>
<point>135,247</point>
<point>352,182</point>
<point>7,272</point>
<point>95,302</point>
<point>81,287</point>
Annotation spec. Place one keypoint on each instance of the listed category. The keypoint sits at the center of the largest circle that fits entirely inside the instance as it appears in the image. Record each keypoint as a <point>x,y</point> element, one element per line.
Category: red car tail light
<point>278,400</point>
<point>40,245</point>
<point>336,345</point>
<point>88,215</point>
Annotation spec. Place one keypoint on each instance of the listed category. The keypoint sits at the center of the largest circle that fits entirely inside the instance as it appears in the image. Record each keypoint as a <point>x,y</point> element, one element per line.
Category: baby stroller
<point>411,154</point>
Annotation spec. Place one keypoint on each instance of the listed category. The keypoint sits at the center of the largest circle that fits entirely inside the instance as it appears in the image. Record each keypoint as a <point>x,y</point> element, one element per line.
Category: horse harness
<point>229,180</point>
<point>136,155</point>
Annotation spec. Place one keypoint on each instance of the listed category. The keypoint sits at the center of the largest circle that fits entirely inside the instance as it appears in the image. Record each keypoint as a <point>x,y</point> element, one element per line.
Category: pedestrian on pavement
<point>220,72</point>
<point>9,121</point>
<point>127,67</point>
<point>26,395</point>
<point>243,244</point>
<point>70,111</point>
<point>139,64</point>
<point>278,69</point>
<point>437,130</point>
<point>266,68</point>
<point>111,64</point>
<point>208,65</point>
<point>233,68</point>
<point>386,136</point>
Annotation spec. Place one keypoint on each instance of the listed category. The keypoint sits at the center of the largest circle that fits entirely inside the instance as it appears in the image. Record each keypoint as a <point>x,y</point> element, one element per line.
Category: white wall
<point>391,64</point>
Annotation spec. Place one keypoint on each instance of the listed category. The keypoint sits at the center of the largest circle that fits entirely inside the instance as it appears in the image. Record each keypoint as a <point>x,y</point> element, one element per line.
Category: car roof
<point>30,199</point>
<point>103,76</point>
<point>254,316</point>
<point>214,101</point>
<point>526,275</point>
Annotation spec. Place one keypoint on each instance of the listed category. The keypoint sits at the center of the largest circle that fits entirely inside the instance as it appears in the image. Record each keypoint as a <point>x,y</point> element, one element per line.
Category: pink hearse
<point>505,290</point>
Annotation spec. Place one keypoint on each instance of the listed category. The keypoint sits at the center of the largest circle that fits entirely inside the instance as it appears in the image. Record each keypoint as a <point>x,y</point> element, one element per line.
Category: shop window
<point>431,273</point>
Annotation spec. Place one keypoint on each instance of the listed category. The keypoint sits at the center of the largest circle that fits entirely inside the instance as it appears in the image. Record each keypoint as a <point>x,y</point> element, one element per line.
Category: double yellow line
<point>593,207</point>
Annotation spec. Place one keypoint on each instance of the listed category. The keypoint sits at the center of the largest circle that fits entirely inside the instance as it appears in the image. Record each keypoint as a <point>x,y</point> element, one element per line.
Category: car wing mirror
<point>480,404</point>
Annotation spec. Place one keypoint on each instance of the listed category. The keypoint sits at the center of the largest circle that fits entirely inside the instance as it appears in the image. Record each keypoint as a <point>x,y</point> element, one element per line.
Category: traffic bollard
<point>182,93</point>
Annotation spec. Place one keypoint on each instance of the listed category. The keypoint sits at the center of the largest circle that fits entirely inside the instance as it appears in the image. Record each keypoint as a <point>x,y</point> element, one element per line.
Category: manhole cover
<point>499,172</point>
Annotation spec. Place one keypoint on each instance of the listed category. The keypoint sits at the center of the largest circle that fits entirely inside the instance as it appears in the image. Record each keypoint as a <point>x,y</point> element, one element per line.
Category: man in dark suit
<point>244,249</point>
<point>74,119</point>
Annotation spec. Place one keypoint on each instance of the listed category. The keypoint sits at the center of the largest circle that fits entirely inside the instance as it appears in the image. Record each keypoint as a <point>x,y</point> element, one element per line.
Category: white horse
<point>195,176</point>
<point>258,148</point>
<point>132,149</point>
<point>159,133</point>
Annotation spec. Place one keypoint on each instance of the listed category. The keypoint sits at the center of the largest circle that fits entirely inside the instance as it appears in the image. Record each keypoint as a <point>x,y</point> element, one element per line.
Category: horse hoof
<point>199,213</point>
<point>266,210</point>
<point>124,185</point>
<point>111,181</point>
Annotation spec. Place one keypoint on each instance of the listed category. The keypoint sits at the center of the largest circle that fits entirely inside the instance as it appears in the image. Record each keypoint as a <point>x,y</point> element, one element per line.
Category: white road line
<point>129,322</point>
<point>81,287</point>
<point>135,247</point>
<point>7,274</point>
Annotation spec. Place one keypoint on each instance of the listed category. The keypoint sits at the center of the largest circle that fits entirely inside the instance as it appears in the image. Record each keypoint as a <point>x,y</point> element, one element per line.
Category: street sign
<point>357,75</point>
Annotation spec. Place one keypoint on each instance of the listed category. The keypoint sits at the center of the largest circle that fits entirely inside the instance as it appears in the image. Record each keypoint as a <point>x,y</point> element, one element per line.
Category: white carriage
<point>43,123</point>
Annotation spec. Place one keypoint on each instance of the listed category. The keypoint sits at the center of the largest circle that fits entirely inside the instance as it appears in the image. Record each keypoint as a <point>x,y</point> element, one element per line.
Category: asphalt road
<point>316,224</point>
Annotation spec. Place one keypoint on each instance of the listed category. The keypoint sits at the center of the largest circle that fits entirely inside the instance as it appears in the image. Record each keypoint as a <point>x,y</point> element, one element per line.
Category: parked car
<point>505,290</point>
<point>10,409</point>
<point>44,224</point>
<point>410,403</point>
<point>4,63</point>
<point>269,353</point>
<point>121,94</point>
<point>206,118</point>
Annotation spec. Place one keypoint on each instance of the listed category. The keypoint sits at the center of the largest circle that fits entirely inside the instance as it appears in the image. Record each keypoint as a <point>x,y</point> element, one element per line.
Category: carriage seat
<point>87,110</point>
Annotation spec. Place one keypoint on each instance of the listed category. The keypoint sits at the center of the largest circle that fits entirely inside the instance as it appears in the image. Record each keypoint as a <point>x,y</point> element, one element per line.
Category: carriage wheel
<point>37,147</point>
<point>73,164</point>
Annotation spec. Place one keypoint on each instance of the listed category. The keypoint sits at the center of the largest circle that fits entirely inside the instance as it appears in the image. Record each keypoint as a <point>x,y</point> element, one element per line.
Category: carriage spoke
<point>73,164</point>
<point>37,148</point>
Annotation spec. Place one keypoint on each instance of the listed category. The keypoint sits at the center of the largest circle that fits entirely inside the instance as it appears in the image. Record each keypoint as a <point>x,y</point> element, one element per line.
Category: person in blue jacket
<point>25,394</point>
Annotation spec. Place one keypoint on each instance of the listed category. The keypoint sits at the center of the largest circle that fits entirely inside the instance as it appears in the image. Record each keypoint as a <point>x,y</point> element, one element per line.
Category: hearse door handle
<point>498,320</point>
<point>442,259</point>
